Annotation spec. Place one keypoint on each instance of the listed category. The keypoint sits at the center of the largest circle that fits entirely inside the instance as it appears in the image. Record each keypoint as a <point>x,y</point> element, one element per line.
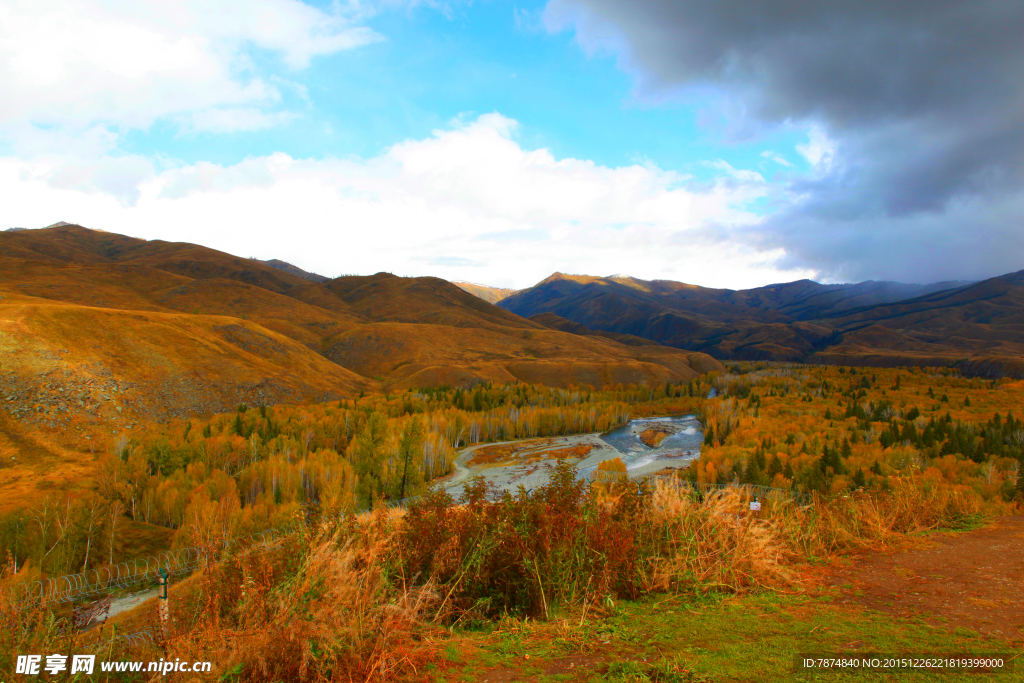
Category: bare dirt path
<point>972,579</point>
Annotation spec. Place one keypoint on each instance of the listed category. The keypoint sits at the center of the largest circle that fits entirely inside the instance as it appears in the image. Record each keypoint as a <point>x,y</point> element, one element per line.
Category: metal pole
<point>162,609</point>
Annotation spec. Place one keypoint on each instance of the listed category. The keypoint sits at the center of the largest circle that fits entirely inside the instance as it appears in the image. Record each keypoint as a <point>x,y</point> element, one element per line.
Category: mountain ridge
<point>279,337</point>
<point>489,294</point>
<point>801,320</point>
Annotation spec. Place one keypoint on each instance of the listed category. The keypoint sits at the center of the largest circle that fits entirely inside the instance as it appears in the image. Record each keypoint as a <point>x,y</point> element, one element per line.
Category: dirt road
<point>973,579</point>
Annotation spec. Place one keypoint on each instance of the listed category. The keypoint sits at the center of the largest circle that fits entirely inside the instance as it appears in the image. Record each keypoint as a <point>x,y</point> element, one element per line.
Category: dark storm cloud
<point>924,102</point>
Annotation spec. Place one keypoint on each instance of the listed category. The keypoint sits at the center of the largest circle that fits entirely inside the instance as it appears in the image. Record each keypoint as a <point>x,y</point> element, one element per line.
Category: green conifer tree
<point>859,480</point>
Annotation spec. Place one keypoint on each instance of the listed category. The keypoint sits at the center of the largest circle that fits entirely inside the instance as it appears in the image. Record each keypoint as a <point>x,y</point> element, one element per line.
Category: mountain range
<point>976,326</point>
<point>101,326</point>
<point>97,327</point>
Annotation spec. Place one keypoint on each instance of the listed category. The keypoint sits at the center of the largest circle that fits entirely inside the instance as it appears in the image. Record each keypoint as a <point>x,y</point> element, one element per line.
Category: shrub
<point>524,554</point>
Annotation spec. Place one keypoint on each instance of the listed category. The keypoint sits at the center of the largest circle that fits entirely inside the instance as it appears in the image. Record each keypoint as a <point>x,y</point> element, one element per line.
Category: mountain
<point>489,294</point>
<point>295,270</point>
<point>557,322</point>
<point>102,329</point>
<point>977,326</point>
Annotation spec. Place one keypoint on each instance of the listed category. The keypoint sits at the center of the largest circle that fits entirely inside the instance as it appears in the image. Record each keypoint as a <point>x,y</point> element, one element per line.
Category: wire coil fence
<point>106,580</point>
<point>122,603</point>
<point>137,624</point>
<point>119,578</point>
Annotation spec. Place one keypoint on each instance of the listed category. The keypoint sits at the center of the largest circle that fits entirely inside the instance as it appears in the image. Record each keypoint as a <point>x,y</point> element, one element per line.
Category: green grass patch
<point>721,638</point>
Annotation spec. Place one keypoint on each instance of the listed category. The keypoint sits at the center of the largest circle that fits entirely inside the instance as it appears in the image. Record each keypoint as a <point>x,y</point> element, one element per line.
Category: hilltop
<point>295,270</point>
<point>975,326</point>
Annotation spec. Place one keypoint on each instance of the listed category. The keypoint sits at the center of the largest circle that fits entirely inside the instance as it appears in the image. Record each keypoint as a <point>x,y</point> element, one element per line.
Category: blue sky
<point>432,67</point>
<point>498,142</point>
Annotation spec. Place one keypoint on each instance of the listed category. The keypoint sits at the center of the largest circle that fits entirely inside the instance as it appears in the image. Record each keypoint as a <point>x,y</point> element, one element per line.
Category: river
<point>526,464</point>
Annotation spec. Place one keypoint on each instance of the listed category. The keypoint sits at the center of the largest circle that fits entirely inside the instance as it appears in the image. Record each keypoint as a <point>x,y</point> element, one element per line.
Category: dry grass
<point>865,521</point>
<point>36,629</point>
<point>579,451</point>
<point>533,450</point>
<point>653,437</point>
<point>716,544</point>
<point>339,615</point>
<point>362,600</point>
<point>497,453</point>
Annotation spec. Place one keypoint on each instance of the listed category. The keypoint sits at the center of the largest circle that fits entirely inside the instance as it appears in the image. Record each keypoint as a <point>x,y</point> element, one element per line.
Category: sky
<point>715,142</point>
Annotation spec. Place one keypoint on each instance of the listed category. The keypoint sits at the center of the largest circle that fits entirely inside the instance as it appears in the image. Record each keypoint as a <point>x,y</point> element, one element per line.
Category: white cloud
<point>450,205</point>
<point>777,158</point>
<point>819,150</point>
<point>233,120</point>
<point>739,174</point>
<point>127,64</point>
<point>118,177</point>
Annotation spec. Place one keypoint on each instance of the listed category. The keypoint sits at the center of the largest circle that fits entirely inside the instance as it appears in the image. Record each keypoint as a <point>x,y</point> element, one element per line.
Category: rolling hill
<point>102,334</point>
<point>192,329</point>
<point>978,327</point>
<point>295,270</point>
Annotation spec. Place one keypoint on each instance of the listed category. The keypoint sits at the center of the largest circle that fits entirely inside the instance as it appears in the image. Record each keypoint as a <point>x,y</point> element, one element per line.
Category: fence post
<point>162,609</point>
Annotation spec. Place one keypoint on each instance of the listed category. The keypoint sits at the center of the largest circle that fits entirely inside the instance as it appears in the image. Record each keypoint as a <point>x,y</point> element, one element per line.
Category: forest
<point>262,466</point>
<point>833,430</point>
<point>825,430</point>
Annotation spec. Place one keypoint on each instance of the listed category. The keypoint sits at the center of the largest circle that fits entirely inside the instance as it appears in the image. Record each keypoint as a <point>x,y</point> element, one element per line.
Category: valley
<point>324,378</point>
<point>510,470</point>
<point>103,335</point>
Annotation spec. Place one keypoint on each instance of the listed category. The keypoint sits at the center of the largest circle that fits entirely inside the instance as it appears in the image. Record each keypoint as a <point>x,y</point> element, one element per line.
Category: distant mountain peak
<point>65,224</point>
<point>486,292</point>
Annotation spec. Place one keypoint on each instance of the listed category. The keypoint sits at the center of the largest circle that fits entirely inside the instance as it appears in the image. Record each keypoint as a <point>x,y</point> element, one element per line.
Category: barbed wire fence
<point>126,602</point>
<point>131,605</point>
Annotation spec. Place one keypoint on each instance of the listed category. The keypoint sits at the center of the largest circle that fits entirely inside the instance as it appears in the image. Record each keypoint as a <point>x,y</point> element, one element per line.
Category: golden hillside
<point>102,334</point>
<point>491,295</point>
<point>194,330</point>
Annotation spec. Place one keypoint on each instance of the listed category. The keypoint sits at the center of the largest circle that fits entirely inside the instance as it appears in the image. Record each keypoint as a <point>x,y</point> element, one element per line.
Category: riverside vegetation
<point>375,596</point>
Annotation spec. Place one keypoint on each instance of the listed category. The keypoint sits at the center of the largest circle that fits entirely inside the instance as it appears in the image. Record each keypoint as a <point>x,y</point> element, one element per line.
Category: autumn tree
<point>92,514</point>
<point>115,512</point>
<point>410,444</point>
<point>370,462</point>
<point>15,541</point>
